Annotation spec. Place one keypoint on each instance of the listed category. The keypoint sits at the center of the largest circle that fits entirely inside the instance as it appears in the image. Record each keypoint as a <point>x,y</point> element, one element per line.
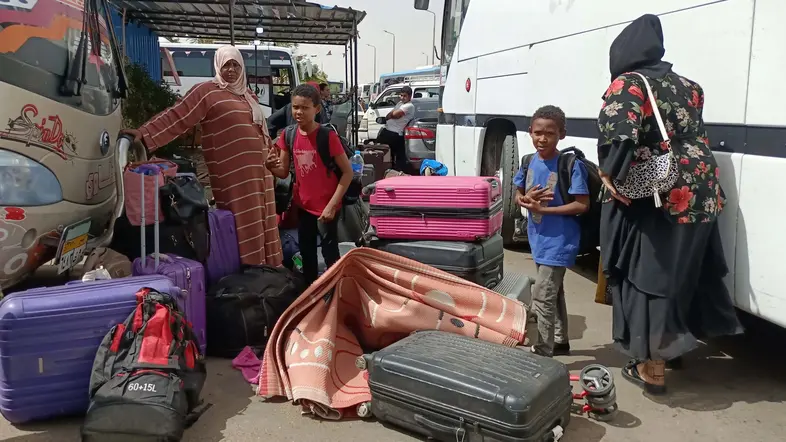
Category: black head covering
<point>639,48</point>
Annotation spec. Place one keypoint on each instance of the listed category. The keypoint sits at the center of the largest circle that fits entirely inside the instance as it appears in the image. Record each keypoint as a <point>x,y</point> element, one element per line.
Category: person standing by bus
<point>235,143</point>
<point>393,132</point>
<point>665,265</point>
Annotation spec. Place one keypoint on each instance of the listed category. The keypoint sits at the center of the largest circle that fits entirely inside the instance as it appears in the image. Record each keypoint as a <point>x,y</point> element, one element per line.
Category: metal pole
<point>232,22</point>
<point>375,61</point>
<point>394,52</point>
<point>125,21</point>
<point>256,73</point>
<point>355,80</point>
<point>394,48</point>
<point>346,65</point>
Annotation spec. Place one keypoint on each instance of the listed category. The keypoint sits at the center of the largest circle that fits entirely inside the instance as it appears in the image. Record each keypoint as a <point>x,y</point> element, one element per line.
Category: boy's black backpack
<point>147,376</point>
<point>323,149</point>
<point>589,220</point>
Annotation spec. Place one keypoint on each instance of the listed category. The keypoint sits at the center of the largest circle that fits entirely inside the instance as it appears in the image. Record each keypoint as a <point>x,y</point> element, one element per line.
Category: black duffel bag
<point>242,309</point>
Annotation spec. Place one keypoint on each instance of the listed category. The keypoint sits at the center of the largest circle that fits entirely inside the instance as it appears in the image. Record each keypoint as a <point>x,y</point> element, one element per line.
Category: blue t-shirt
<point>554,239</point>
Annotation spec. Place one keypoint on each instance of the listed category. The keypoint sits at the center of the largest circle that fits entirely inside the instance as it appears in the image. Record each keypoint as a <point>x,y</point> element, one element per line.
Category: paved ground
<point>732,390</point>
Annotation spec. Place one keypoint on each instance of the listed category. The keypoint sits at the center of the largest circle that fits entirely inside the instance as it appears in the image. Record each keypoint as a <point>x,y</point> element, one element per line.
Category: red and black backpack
<point>147,375</point>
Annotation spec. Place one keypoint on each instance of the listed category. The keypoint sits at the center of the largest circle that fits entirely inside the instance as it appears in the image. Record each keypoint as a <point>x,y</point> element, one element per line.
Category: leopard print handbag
<point>656,175</point>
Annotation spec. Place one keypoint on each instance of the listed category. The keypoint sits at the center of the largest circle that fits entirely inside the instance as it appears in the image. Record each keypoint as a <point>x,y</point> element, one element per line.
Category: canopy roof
<point>286,21</point>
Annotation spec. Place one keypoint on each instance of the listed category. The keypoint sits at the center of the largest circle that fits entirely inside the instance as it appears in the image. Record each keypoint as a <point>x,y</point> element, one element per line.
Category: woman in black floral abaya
<point>664,265</point>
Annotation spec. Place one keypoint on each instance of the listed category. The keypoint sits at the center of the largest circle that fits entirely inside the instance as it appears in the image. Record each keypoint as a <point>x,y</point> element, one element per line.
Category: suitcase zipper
<point>435,212</point>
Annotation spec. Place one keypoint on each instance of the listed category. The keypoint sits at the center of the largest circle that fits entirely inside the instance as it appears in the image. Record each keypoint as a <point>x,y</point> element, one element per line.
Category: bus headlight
<point>24,182</point>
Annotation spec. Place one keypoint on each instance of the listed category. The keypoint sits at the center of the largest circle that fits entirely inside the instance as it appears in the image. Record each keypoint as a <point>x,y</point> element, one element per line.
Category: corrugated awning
<point>286,21</point>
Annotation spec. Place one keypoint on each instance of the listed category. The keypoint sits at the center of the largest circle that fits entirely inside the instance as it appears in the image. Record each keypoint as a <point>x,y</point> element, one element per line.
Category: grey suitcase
<point>450,387</point>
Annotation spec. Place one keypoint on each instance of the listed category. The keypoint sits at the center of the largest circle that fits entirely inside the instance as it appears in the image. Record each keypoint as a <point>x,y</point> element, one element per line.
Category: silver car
<point>421,133</point>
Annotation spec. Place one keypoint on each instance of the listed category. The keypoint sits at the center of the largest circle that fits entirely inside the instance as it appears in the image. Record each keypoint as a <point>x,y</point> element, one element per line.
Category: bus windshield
<point>455,10</point>
<point>37,43</point>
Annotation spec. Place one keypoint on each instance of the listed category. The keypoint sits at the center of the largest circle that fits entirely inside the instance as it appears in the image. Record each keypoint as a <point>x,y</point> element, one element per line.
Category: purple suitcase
<point>48,341</point>
<point>187,274</point>
<point>224,256</point>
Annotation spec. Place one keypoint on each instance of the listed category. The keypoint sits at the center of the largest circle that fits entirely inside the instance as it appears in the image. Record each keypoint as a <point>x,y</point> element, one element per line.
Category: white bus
<point>512,56</point>
<point>272,66</point>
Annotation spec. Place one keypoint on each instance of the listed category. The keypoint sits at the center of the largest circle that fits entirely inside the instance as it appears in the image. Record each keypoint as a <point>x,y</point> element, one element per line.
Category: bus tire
<point>511,210</point>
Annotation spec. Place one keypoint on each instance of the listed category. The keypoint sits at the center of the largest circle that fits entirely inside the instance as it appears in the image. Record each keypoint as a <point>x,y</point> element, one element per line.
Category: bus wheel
<point>500,158</point>
<point>508,168</point>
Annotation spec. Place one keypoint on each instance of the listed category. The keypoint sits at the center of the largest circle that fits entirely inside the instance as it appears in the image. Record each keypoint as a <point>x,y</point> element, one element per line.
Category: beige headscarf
<point>239,86</point>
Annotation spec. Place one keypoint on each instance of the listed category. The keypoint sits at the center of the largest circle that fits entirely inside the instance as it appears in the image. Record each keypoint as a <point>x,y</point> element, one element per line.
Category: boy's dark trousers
<point>308,230</point>
<point>398,150</point>
<point>550,309</point>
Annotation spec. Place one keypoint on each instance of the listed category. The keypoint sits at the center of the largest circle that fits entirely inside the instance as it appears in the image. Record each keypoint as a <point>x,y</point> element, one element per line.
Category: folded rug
<point>367,301</point>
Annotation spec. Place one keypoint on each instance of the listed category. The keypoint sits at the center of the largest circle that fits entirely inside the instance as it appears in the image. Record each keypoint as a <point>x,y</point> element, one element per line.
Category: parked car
<point>342,116</point>
<point>387,100</point>
<point>421,133</point>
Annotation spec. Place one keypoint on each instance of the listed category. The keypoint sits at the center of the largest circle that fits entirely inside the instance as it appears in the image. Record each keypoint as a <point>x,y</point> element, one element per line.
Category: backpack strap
<point>565,162</point>
<point>289,137</point>
<point>323,148</point>
<point>526,160</point>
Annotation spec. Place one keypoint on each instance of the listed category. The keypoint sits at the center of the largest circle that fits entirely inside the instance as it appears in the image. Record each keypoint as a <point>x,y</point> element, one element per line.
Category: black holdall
<point>182,198</point>
<point>242,309</point>
<point>184,204</point>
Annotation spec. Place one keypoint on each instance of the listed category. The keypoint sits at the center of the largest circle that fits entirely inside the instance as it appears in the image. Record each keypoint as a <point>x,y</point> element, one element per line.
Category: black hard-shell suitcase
<point>478,262</point>
<point>516,286</point>
<point>450,387</point>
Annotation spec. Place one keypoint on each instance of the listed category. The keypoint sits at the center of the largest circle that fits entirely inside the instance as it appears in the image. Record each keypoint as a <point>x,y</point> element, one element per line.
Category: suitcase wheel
<point>360,362</point>
<point>364,410</point>
<point>596,380</point>
<point>605,415</point>
<point>602,402</point>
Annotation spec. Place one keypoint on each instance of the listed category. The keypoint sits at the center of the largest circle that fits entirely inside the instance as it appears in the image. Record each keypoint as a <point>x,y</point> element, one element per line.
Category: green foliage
<point>316,73</point>
<point>145,99</point>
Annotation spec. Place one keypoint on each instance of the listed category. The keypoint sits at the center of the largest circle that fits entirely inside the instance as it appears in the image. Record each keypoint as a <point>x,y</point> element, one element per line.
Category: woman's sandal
<point>631,373</point>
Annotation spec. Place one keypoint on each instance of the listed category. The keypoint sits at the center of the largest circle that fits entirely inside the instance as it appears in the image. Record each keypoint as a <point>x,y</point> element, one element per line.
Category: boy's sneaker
<point>562,349</point>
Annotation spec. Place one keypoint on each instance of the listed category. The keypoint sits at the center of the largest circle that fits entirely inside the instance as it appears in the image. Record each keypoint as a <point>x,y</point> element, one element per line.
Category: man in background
<point>393,132</point>
<point>327,101</point>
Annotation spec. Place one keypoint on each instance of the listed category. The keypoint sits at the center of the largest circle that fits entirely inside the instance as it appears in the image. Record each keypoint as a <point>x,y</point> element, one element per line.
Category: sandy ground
<point>730,390</point>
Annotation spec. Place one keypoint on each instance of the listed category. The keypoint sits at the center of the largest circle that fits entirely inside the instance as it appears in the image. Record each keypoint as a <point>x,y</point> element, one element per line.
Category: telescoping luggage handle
<point>155,225</point>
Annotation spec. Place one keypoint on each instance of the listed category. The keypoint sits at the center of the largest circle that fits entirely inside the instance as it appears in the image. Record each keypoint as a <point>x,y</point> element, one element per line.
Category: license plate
<point>72,245</point>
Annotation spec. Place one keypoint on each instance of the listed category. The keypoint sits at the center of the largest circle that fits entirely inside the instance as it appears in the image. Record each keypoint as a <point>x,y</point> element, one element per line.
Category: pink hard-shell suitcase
<point>187,274</point>
<point>442,208</point>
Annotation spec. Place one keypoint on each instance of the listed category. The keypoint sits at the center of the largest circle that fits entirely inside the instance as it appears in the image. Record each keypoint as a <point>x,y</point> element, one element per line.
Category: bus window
<point>38,59</point>
<point>455,10</point>
<point>193,63</point>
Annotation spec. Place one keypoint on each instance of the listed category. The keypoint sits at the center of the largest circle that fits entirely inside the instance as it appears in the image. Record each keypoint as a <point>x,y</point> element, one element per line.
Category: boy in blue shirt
<point>553,227</point>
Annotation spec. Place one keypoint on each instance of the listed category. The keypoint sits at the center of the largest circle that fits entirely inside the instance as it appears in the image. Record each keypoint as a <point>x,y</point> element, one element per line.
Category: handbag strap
<point>655,110</point>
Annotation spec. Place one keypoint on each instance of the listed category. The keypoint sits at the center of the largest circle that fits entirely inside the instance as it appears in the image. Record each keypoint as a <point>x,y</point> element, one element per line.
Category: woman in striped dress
<point>235,144</point>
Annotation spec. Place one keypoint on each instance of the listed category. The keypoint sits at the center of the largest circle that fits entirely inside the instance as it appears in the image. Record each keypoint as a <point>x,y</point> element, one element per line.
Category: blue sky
<point>413,31</point>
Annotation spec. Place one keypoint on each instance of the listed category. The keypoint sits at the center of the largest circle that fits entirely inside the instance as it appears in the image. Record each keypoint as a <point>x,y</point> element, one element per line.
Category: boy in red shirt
<point>318,191</point>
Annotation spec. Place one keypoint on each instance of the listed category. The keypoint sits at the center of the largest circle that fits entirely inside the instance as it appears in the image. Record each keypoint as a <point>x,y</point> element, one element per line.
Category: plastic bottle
<point>357,164</point>
<point>297,262</point>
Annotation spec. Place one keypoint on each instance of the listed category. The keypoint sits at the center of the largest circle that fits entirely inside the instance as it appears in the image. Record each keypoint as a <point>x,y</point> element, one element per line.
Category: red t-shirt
<point>313,187</point>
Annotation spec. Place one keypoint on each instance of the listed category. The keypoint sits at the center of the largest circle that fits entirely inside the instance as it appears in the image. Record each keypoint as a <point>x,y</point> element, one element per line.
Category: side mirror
<point>421,5</point>
<point>381,120</point>
<point>372,105</point>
